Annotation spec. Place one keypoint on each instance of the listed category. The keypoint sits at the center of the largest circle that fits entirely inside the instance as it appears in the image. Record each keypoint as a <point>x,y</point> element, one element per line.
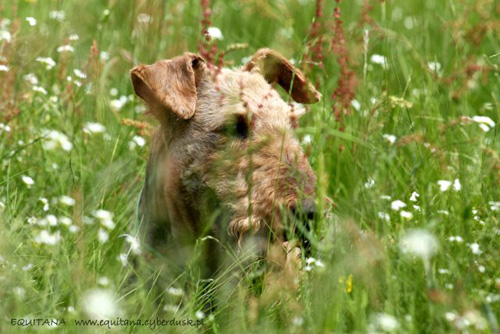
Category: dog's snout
<point>306,210</point>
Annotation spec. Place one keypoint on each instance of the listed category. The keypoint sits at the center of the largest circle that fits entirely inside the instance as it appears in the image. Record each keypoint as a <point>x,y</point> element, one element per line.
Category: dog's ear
<point>170,84</point>
<point>276,68</point>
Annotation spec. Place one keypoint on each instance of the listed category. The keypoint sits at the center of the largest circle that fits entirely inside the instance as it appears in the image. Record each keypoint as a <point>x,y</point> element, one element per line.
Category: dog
<point>224,162</point>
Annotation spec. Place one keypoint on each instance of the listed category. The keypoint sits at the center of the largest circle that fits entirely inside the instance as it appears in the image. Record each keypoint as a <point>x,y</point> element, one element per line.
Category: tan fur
<point>253,178</point>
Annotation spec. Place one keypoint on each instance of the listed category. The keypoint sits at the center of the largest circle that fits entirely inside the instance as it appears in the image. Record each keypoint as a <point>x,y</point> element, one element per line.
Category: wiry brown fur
<point>191,155</point>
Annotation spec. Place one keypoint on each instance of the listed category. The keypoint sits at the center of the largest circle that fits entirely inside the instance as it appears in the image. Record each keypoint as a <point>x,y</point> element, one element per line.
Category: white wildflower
<point>28,181</point>
<point>397,205</point>
<point>65,221</point>
<point>384,216</point>
<point>175,292</point>
<point>144,18</point>
<point>74,37</point>
<point>31,21</point>
<point>45,237</point>
<point>298,321</point>
<point>443,212</point>
<point>55,139</point>
<point>79,73</point>
<point>306,140</point>
<point>5,36</point>
<point>73,228</point>
<point>58,15</point>
<point>444,185</point>
<point>102,236</point>
<point>31,78</point>
<point>123,258</point>
<point>356,105</point>
<point>382,322</point>
<point>485,123</point>
<point>494,206</point>
<point>19,292</point>
<point>104,56</point>
<point>118,104</point>
<point>51,220</point>
<point>457,186</point>
<point>369,183</point>
<point>474,247</point>
<point>199,315</point>
<point>66,200</point>
<point>456,238</point>
<point>215,33</point>
<point>45,203</point>
<point>435,67</point>
<point>419,243</point>
<point>65,48</point>
<point>91,127</point>
<point>379,60</point>
<point>103,281</point>
<point>4,68</point>
<point>40,90</point>
<point>414,196</point>
<point>49,62</point>
<point>390,138</point>
<point>406,214</point>
<point>100,304</point>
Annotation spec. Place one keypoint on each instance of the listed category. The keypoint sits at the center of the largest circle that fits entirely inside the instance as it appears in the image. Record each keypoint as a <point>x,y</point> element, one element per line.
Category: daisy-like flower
<point>397,205</point>
<point>91,127</point>
<point>390,138</point>
<point>419,243</point>
<point>28,181</point>
<point>414,196</point>
<point>47,238</point>
<point>485,123</point>
<point>47,61</point>
<point>5,36</point>
<point>65,221</point>
<point>383,323</point>
<point>65,48</point>
<point>135,246</point>
<point>118,104</point>
<point>136,141</point>
<point>435,67</point>
<point>102,236</point>
<point>4,68</point>
<point>40,90</point>
<point>356,105</point>
<point>474,247</point>
<point>457,186</point>
<point>215,33</point>
<point>45,203</point>
<point>55,139</point>
<point>175,292</point>
<point>66,200</point>
<point>444,185</point>
<point>379,60</point>
<point>456,238</point>
<point>31,78</point>
<point>100,304</point>
<point>105,218</point>
<point>144,18</point>
<point>79,73</point>
<point>31,21</point>
<point>58,15</point>
<point>406,214</point>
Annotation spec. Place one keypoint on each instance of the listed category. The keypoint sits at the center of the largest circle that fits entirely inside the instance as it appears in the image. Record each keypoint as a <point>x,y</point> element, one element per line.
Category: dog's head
<point>230,131</point>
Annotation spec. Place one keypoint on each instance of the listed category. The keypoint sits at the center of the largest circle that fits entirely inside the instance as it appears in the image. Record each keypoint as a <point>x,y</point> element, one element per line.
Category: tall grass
<point>425,71</point>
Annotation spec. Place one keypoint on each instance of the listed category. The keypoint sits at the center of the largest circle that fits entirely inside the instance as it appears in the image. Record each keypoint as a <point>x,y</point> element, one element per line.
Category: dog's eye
<point>237,127</point>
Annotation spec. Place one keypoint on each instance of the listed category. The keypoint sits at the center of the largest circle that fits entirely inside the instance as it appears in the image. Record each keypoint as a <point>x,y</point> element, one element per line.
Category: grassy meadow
<point>412,244</point>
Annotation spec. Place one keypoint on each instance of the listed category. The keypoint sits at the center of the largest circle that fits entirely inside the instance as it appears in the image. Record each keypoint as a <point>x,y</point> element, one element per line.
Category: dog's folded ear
<point>276,68</point>
<point>170,84</point>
